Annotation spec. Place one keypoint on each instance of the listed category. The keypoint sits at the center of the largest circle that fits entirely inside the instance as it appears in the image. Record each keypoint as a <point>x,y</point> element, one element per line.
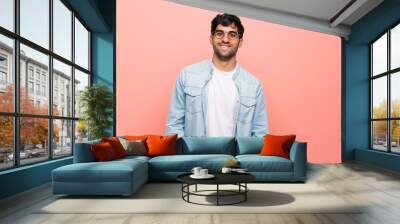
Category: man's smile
<point>224,46</point>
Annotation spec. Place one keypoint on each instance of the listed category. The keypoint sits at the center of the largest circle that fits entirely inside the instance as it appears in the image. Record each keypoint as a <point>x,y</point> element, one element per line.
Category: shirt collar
<point>210,69</point>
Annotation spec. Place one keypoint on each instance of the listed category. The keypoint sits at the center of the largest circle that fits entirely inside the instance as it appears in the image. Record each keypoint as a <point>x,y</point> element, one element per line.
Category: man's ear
<point>211,39</point>
<point>240,42</point>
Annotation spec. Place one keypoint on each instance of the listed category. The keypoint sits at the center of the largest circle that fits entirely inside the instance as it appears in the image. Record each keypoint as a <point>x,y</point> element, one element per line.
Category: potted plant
<point>96,102</point>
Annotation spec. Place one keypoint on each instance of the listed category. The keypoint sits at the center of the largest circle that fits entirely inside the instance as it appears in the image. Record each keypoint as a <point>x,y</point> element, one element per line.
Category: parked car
<point>57,152</point>
<point>22,155</point>
<point>10,157</point>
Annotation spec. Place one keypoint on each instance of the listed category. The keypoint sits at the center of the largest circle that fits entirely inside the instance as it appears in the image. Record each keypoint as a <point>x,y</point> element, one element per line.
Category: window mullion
<point>50,79</point>
<point>370,98</point>
<point>89,55</point>
<point>389,101</point>
<point>73,82</point>
<point>16,84</point>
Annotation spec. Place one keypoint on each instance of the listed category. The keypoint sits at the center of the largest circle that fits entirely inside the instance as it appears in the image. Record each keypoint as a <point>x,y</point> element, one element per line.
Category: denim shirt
<point>188,108</point>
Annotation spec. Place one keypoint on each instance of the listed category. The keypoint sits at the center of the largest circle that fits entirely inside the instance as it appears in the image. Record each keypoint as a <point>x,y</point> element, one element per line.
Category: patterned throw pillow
<point>134,147</point>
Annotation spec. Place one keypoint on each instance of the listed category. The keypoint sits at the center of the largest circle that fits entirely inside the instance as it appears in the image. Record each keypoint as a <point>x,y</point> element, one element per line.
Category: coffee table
<point>238,179</point>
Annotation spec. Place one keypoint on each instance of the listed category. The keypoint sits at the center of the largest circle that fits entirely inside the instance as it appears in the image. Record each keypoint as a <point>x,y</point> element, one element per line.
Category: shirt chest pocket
<point>246,109</point>
<point>193,99</point>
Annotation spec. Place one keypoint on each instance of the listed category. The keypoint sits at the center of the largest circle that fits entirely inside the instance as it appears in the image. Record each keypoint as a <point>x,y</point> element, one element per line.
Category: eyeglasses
<point>232,35</point>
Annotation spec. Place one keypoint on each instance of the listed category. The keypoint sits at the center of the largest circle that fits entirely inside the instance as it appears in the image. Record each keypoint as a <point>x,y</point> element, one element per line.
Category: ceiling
<point>98,15</point>
<point>326,16</point>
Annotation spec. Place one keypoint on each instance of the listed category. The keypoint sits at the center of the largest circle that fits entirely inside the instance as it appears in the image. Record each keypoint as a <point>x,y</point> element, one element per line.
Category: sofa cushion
<point>111,171</point>
<point>116,145</point>
<point>249,145</point>
<point>206,145</point>
<point>185,163</point>
<point>134,147</point>
<point>132,158</point>
<point>135,137</point>
<point>159,145</point>
<point>257,163</point>
<point>275,145</point>
<point>103,152</point>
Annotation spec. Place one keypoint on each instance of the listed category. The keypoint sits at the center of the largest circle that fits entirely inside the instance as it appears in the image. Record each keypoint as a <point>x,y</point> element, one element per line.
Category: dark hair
<point>226,20</point>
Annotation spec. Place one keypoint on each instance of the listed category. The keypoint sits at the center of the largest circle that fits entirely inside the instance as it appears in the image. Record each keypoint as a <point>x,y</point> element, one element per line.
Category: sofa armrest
<point>83,152</point>
<point>298,155</point>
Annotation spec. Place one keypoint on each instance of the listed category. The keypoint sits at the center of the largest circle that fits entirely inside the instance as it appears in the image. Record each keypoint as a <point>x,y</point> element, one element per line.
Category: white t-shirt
<point>222,94</point>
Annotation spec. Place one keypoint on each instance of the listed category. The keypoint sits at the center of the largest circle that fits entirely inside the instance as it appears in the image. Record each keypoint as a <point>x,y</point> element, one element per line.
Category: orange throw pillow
<point>103,152</point>
<point>275,145</point>
<point>116,145</point>
<point>135,138</point>
<point>161,145</point>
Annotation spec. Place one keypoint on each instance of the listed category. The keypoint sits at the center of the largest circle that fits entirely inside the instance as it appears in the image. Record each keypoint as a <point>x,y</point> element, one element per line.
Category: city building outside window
<point>43,90</point>
<point>30,72</point>
<point>37,89</point>
<point>30,87</point>
<point>3,72</point>
<point>3,60</point>
<point>3,78</point>
<point>44,77</point>
<point>37,75</point>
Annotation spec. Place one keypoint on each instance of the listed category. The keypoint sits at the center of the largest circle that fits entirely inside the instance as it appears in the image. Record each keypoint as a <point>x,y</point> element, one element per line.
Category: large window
<point>44,65</point>
<point>385,91</point>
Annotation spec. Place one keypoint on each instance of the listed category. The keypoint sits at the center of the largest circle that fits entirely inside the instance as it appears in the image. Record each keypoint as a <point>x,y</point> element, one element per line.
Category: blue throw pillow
<point>207,145</point>
<point>249,145</point>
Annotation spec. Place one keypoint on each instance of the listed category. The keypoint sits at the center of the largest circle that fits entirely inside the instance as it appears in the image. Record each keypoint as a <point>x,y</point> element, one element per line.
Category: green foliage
<point>97,103</point>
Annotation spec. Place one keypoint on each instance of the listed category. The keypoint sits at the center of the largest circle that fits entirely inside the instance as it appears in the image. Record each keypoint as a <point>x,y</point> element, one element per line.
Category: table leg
<point>245,193</point>
<point>217,194</point>
<point>188,190</point>
<point>182,190</point>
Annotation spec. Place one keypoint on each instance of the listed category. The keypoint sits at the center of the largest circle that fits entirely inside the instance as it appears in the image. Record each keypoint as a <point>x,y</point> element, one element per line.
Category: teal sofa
<point>125,176</point>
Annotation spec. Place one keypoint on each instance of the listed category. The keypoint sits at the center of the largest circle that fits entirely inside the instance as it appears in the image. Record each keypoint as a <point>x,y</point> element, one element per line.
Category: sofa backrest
<point>249,145</point>
<point>83,152</point>
<point>206,145</point>
<point>192,146</point>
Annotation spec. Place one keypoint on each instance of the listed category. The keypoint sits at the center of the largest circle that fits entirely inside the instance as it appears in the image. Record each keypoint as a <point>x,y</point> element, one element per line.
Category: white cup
<point>203,172</point>
<point>196,170</point>
<point>226,170</point>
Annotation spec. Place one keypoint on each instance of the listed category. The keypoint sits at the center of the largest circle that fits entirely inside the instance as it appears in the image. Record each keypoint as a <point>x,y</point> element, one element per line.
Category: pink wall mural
<point>300,71</point>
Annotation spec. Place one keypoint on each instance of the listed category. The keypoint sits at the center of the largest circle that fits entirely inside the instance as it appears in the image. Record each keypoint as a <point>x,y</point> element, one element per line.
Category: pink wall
<point>300,71</point>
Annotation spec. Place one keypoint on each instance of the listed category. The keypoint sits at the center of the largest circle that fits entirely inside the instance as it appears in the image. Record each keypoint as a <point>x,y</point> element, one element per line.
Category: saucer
<point>240,171</point>
<point>208,176</point>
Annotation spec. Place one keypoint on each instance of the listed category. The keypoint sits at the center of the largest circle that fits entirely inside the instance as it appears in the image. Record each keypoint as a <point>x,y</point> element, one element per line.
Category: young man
<point>217,97</point>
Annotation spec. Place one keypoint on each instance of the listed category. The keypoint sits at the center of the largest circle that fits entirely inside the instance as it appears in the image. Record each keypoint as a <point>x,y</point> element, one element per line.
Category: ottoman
<point>119,177</point>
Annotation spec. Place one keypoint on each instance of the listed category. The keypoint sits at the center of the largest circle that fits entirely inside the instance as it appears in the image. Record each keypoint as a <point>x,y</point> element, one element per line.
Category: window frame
<point>3,69</point>
<point>16,115</point>
<point>388,74</point>
<point>5,59</point>
<point>3,74</point>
